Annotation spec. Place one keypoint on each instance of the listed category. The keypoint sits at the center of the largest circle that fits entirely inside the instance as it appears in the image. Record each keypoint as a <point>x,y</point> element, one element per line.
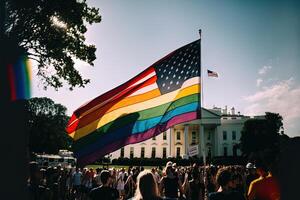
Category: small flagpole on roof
<point>201,128</point>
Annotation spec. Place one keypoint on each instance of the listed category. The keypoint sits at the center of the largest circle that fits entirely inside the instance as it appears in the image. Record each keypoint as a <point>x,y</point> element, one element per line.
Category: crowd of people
<point>171,182</point>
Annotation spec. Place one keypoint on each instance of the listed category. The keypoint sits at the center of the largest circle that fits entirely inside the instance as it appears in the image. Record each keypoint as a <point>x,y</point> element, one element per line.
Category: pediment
<point>210,114</point>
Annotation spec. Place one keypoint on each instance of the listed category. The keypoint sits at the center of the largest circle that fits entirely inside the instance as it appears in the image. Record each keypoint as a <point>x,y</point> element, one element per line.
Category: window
<point>153,152</point>
<point>224,135</point>
<point>131,152</point>
<point>225,151</point>
<point>122,152</point>
<point>209,152</point>
<point>164,152</point>
<point>164,136</point>
<point>178,152</point>
<point>194,137</point>
<point>233,135</point>
<point>143,152</point>
<point>208,135</point>
<point>234,150</point>
<point>178,135</point>
<point>154,138</point>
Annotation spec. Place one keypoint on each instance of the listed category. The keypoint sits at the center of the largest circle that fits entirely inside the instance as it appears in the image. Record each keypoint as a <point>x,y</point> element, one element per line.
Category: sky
<point>254,46</point>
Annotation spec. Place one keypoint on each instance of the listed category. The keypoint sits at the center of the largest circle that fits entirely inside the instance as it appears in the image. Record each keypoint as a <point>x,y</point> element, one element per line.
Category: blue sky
<point>253,45</point>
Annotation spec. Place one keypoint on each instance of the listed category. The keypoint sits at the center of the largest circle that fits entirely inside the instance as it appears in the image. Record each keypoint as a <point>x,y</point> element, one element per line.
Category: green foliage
<point>262,134</point>
<point>52,33</point>
<point>46,123</point>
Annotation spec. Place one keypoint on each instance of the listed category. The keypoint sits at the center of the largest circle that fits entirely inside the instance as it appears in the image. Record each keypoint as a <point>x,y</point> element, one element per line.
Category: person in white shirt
<point>121,182</point>
<point>76,180</point>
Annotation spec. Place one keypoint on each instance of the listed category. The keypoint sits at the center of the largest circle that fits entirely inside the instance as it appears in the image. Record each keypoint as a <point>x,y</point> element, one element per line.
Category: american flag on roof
<point>212,73</point>
<point>163,95</point>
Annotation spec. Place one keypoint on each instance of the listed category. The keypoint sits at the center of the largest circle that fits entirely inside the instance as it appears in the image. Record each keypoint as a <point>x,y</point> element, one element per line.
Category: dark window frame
<point>233,135</point>
<point>178,135</point>
<point>224,135</point>
<point>164,136</point>
<point>142,152</point>
<point>164,155</point>
<point>153,152</point>
<point>178,152</point>
<point>122,152</point>
<point>131,154</point>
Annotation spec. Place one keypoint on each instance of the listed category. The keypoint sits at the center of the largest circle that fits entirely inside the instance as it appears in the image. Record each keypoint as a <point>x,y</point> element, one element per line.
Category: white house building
<point>221,131</point>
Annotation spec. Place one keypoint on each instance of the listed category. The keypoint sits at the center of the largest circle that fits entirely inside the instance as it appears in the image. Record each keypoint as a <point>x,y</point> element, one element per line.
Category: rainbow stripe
<point>19,77</point>
<point>165,94</point>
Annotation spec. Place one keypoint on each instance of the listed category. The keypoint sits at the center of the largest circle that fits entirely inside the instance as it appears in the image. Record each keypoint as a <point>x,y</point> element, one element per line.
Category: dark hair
<point>104,175</point>
<point>33,167</point>
<point>195,173</point>
<point>262,165</point>
<point>223,177</point>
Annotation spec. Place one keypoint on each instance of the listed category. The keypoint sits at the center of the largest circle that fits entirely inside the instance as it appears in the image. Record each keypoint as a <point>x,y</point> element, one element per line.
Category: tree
<point>46,123</point>
<point>50,32</point>
<point>263,140</point>
<point>261,134</point>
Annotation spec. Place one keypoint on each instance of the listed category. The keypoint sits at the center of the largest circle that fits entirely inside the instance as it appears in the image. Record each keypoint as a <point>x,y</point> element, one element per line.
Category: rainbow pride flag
<point>19,77</point>
<point>163,95</point>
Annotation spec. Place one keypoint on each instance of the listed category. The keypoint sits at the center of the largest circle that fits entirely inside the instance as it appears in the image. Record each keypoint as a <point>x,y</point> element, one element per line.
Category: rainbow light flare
<point>19,76</point>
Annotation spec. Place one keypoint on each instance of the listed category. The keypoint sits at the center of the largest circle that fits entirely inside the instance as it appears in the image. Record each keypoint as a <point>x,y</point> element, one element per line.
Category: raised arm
<point>161,186</point>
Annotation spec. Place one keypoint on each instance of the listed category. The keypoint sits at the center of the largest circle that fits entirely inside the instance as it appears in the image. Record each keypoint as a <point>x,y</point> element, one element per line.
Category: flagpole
<point>201,73</point>
<point>201,128</point>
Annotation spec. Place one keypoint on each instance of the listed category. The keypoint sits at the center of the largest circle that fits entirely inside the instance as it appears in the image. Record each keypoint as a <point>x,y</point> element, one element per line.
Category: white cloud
<point>282,97</point>
<point>264,69</point>
<point>258,82</point>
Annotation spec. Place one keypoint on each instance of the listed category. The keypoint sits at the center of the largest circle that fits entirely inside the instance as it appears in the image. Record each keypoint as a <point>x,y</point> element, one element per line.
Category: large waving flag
<point>163,95</point>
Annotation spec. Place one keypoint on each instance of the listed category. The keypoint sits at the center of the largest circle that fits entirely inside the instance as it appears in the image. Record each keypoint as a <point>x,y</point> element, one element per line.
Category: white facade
<point>221,130</point>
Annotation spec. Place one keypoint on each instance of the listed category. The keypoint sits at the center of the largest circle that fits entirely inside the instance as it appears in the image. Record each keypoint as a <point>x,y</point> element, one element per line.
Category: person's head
<point>153,170</point>
<point>237,180</point>
<point>174,165</point>
<point>195,174</point>
<point>169,164</point>
<point>77,169</point>
<point>98,170</point>
<point>224,177</point>
<point>146,186</point>
<point>168,170</point>
<point>251,168</point>
<point>261,168</point>
<point>105,177</point>
<point>34,172</point>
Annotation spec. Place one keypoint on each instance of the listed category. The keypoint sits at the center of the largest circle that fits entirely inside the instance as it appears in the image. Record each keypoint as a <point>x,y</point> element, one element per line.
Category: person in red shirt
<point>265,187</point>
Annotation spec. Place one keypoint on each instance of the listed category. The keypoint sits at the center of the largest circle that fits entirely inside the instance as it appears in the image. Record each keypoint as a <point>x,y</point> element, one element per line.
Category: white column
<point>186,143</point>
<point>202,142</point>
<point>216,138</point>
<point>171,130</point>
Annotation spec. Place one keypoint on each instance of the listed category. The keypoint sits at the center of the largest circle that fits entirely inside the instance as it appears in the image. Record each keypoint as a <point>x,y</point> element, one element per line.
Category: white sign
<point>193,150</point>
